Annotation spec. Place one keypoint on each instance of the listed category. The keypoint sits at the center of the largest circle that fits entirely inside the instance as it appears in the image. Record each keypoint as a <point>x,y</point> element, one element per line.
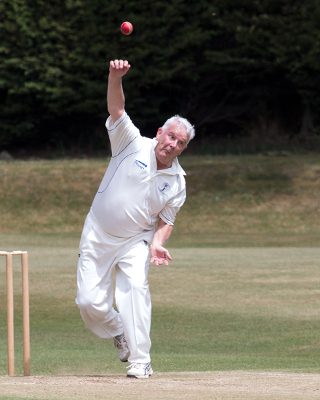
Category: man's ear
<point>159,131</point>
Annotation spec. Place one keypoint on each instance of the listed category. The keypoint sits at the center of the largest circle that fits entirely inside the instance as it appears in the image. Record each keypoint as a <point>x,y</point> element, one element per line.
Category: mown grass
<point>22,397</point>
<point>242,293</point>
<point>232,200</point>
<point>213,309</point>
<point>252,199</point>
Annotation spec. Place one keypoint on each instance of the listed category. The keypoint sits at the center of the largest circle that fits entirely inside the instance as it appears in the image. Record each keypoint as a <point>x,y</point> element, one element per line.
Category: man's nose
<point>174,143</point>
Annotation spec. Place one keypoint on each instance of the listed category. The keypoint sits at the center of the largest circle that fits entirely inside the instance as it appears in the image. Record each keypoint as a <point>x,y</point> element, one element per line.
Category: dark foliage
<point>237,69</point>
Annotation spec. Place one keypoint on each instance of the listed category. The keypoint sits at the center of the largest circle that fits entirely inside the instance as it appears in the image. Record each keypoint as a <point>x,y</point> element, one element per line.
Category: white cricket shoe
<point>139,370</point>
<point>121,345</point>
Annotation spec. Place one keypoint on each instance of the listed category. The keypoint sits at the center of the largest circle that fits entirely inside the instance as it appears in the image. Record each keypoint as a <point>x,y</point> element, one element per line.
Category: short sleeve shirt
<point>133,194</point>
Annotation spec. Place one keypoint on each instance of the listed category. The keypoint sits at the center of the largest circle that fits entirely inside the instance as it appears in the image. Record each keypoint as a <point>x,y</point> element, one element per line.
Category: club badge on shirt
<point>164,187</point>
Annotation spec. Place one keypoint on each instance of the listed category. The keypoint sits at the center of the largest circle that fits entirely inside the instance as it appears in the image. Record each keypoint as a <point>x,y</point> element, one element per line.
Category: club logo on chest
<point>164,187</point>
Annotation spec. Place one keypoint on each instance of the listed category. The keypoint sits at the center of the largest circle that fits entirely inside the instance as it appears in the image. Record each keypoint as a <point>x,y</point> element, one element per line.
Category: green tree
<point>55,54</point>
<point>233,67</point>
<point>265,64</point>
<point>51,70</point>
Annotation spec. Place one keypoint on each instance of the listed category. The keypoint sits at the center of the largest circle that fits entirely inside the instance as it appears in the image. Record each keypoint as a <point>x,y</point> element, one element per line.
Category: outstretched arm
<point>159,254</point>
<point>115,94</point>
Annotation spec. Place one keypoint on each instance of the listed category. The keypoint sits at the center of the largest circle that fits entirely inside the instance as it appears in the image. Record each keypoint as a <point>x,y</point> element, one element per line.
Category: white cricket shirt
<point>133,193</point>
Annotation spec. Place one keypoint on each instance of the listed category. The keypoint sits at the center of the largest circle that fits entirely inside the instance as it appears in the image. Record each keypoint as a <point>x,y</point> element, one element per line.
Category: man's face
<point>172,140</point>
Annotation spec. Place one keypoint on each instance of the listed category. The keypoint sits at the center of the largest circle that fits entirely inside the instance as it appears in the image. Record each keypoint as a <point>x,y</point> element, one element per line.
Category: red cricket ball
<point>126,28</point>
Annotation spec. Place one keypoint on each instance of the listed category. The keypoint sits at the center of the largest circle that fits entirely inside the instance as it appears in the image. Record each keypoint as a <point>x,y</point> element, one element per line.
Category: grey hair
<point>181,121</point>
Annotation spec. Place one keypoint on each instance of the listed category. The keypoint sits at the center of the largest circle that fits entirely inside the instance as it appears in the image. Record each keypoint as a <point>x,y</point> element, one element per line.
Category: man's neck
<point>163,166</point>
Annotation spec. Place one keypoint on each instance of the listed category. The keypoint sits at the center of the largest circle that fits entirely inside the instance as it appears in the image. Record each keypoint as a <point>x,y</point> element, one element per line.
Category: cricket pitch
<point>169,386</point>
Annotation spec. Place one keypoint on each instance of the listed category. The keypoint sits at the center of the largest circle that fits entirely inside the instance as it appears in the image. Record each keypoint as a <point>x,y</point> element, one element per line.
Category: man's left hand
<point>159,255</point>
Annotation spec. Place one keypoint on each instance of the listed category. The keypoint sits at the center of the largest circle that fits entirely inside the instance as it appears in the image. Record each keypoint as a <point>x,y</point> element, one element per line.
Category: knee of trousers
<point>92,307</point>
<point>100,318</point>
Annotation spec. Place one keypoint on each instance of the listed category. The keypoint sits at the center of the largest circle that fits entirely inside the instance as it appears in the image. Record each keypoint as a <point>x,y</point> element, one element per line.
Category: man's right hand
<point>118,68</point>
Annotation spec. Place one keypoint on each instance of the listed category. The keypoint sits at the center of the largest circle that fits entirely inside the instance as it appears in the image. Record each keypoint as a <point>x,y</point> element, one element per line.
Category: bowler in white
<point>130,220</point>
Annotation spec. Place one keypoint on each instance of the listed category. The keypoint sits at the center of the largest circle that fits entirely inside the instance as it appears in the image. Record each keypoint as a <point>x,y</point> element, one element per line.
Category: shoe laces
<point>138,365</point>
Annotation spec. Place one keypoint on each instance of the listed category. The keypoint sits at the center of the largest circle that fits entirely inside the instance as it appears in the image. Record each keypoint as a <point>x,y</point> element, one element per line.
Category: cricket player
<point>129,222</point>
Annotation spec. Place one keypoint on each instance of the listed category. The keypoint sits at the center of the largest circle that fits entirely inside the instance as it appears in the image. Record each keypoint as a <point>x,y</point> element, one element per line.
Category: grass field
<point>243,290</point>
<point>214,309</point>
<point>232,201</point>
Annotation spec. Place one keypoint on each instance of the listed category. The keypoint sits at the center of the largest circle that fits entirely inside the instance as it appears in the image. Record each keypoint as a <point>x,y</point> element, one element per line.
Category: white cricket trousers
<point>115,270</point>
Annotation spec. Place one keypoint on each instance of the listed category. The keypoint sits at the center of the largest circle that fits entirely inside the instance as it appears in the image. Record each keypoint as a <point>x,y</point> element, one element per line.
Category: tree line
<point>237,69</point>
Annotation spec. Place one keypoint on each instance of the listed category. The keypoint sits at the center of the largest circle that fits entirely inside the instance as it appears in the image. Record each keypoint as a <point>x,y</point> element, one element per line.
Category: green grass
<point>242,293</point>
<point>17,398</point>
<point>213,309</point>
<point>232,200</point>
